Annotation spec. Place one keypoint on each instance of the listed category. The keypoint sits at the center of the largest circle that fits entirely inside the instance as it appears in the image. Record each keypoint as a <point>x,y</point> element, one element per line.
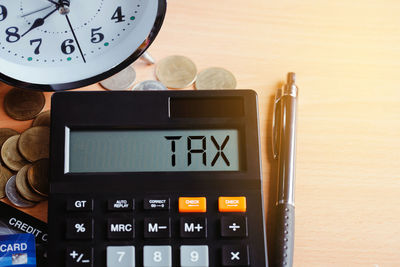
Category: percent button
<point>79,228</point>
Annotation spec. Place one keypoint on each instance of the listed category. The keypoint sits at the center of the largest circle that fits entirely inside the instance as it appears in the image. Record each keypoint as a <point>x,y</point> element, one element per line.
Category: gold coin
<point>34,143</point>
<point>10,154</point>
<point>23,186</point>
<point>176,71</point>
<point>5,175</point>
<point>38,177</point>
<point>43,119</point>
<point>215,78</point>
<point>22,104</point>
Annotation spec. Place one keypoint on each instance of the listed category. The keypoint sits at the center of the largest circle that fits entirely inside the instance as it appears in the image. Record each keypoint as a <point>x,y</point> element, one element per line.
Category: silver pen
<point>284,149</point>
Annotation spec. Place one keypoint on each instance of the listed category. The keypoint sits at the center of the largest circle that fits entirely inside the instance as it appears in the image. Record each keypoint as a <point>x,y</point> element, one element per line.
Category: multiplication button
<point>121,256</point>
<point>79,257</point>
<point>79,228</point>
<point>193,227</point>
<point>156,203</point>
<point>121,228</point>
<point>235,256</point>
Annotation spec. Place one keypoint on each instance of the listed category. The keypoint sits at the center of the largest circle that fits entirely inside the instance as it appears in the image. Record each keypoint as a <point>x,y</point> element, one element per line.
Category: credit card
<point>14,221</point>
<point>17,250</point>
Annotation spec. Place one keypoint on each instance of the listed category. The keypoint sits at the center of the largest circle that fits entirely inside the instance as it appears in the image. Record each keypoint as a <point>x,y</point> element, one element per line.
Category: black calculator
<point>156,179</point>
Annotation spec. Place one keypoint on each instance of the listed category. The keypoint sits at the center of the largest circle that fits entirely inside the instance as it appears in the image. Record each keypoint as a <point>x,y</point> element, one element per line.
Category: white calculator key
<point>122,256</point>
<point>157,256</point>
<point>194,256</point>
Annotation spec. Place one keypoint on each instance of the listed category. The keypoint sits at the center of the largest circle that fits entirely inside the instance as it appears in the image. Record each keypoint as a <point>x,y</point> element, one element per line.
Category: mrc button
<point>232,204</point>
<point>121,204</point>
<point>80,204</point>
<point>156,203</point>
<point>121,228</point>
<point>192,204</point>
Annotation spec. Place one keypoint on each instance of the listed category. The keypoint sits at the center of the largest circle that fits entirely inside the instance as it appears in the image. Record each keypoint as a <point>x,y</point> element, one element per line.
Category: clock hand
<point>39,22</point>
<point>76,40</point>
<point>33,12</point>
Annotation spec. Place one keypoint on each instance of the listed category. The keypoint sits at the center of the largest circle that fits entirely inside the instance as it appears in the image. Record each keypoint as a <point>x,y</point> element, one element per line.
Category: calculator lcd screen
<point>152,151</point>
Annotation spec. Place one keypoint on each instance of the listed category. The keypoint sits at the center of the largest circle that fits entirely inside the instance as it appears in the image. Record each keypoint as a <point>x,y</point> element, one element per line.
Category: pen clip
<point>275,121</point>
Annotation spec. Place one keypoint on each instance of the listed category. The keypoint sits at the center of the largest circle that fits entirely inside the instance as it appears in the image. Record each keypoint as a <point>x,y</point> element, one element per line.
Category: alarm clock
<point>56,45</point>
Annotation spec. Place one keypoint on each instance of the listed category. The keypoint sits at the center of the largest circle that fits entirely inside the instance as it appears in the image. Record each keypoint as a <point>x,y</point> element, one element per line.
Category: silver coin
<point>149,85</point>
<point>121,81</point>
<point>13,195</point>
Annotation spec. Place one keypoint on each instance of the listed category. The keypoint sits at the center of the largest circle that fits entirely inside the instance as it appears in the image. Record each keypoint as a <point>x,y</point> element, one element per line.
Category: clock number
<point>12,35</point>
<point>3,12</point>
<point>37,52</point>
<point>118,15</point>
<point>67,47</point>
<point>97,37</point>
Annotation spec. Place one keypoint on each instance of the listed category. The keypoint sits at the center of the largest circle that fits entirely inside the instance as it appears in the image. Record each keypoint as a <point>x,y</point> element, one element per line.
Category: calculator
<point>156,179</point>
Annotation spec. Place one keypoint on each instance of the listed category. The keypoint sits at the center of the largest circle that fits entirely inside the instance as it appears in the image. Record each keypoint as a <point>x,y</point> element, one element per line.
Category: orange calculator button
<point>232,204</point>
<point>192,204</point>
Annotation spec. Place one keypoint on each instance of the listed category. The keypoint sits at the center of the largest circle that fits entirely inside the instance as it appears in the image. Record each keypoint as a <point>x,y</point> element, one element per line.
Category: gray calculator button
<point>157,256</point>
<point>123,256</point>
<point>194,256</point>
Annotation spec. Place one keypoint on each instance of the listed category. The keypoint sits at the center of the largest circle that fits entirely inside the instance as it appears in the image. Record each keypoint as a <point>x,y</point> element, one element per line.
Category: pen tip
<point>291,77</point>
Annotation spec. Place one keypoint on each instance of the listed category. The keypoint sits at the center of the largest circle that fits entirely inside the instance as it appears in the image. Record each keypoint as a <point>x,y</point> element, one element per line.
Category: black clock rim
<point>162,8</point>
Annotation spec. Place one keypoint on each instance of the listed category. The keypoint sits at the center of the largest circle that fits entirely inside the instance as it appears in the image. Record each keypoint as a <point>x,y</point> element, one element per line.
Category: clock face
<point>64,44</point>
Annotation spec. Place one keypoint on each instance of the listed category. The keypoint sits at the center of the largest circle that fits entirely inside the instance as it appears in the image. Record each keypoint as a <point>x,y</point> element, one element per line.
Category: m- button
<point>192,204</point>
<point>232,204</point>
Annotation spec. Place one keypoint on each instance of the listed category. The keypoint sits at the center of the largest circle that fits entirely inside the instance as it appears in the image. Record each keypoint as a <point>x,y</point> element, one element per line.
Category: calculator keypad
<point>121,256</point>
<point>79,257</point>
<point>121,228</point>
<point>234,226</point>
<point>235,256</point>
<point>192,227</point>
<point>194,256</point>
<point>157,256</point>
<point>79,228</point>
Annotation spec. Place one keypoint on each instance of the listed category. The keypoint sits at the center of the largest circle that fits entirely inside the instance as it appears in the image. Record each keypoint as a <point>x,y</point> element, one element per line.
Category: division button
<point>192,204</point>
<point>232,204</point>
<point>157,228</point>
<point>235,226</point>
<point>80,204</point>
<point>194,256</point>
<point>156,203</point>
<point>79,257</point>
<point>121,228</point>
<point>157,256</point>
<point>122,256</point>
<point>121,204</point>
<point>193,227</point>
<point>235,256</point>
<point>79,228</point>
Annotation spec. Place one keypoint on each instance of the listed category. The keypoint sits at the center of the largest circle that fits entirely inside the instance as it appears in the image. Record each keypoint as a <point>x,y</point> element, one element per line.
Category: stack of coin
<point>24,156</point>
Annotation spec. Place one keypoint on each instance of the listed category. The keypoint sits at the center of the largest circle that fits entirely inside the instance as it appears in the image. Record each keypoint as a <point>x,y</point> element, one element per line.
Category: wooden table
<point>347,58</point>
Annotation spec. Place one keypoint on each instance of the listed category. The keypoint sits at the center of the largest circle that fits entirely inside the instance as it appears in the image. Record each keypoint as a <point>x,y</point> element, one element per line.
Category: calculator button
<point>194,256</point>
<point>121,204</point>
<point>235,226</point>
<point>156,203</point>
<point>79,228</point>
<point>123,256</point>
<point>121,228</point>
<point>235,256</point>
<point>80,204</point>
<point>79,257</point>
<point>232,204</point>
<point>157,256</point>
<point>192,204</point>
<point>157,228</point>
<point>193,227</point>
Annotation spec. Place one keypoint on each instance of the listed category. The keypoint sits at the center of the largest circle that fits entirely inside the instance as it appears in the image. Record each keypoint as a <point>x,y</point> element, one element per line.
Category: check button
<point>192,204</point>
<point>232,204</point>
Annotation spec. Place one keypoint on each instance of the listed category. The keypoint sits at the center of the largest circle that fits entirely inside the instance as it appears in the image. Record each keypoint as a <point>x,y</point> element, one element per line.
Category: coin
<point>215,78</point>
<point>43,119</point>
<point>23,186</point>
<point>22,104</point>
<point>123,80</point>
<point>14,197</point>
<point>5,174</point>
<point>176,71</point>
<point>10,154</point>
<point>6,133</point>
<point>149,85</point>
<point>38,177</point>
<point>34,143</point>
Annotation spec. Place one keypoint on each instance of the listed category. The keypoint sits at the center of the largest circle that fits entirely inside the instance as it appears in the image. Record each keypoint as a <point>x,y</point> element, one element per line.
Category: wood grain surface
<point>347,58</point>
